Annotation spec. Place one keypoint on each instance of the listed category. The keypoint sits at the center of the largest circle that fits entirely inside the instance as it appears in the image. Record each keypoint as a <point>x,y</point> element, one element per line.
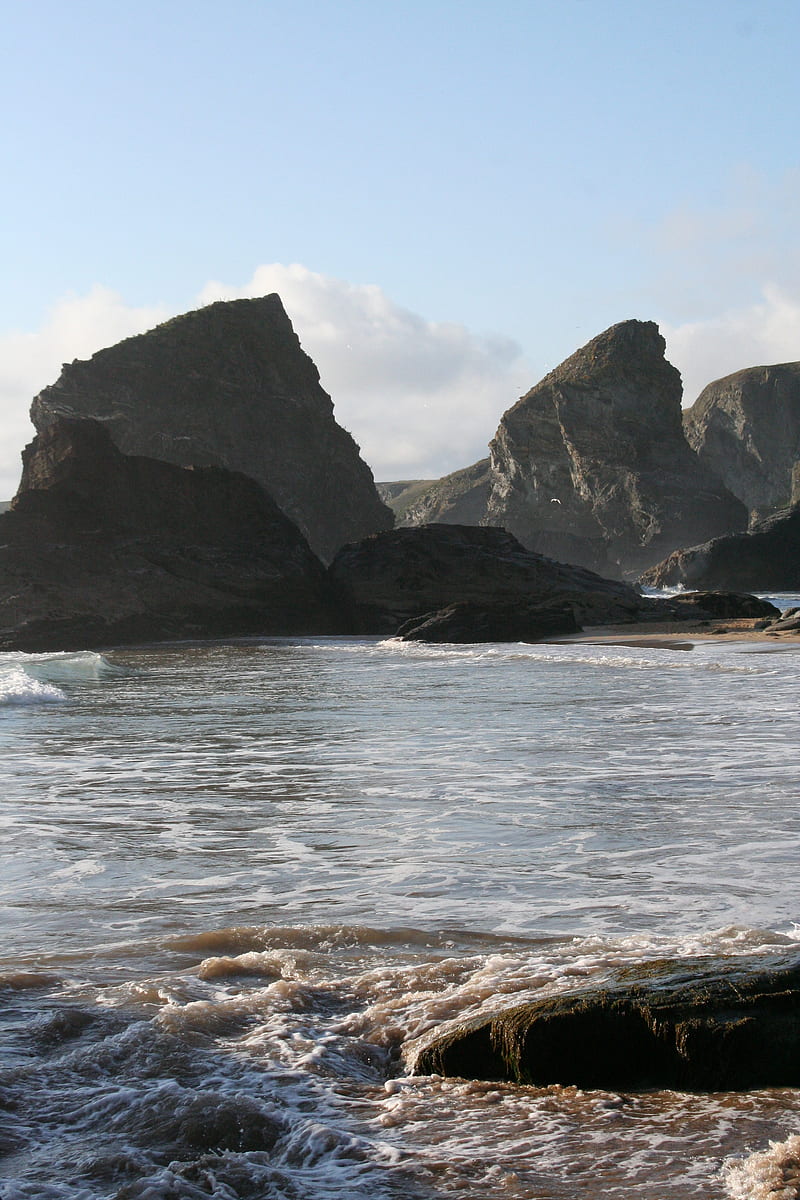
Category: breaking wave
<point>27,679</point>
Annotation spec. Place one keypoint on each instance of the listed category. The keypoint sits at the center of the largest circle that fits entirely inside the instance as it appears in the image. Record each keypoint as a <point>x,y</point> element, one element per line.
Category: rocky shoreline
<point>692,1026</point>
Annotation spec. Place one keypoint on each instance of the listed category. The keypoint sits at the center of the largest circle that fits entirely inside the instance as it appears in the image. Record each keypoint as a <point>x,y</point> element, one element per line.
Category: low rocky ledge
<point>696,1026</point>
<point>463,623</point>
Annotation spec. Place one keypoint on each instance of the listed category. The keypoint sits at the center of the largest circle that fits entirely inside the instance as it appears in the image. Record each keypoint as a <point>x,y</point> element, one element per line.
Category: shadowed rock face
<point>746,428</point>
<point>100,548</point>
<point>592,466</point>
<point>229,385</point>
<point>392,577</point>
<point>718,1029</point>
<point>766,558</point>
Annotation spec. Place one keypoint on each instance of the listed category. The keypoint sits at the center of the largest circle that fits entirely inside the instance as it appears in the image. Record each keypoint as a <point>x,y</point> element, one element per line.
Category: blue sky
<point>450,197</point>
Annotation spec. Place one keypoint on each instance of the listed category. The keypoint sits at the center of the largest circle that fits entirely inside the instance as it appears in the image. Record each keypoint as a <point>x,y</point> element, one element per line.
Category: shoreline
<point>683,635</point>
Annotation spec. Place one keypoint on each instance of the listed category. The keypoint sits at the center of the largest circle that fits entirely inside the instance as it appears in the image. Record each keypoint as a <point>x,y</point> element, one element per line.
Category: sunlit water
<point>241,881</point>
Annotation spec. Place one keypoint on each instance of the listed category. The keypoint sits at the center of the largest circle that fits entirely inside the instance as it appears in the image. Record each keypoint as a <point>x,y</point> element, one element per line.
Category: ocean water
<point>242,882</point>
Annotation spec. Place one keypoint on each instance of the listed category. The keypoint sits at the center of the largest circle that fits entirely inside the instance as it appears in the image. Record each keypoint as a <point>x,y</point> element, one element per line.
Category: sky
<point>450,196</point>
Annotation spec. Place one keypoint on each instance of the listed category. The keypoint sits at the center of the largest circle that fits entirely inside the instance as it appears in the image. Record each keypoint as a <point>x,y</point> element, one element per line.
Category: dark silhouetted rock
<point>229,385</point>
<point>492,623</point>
<point>689,1026</point>
<point>746,428</point>
<point>393,577</point>
<point>767,559</point>
<point>100,548</point>
<point>592,466</point>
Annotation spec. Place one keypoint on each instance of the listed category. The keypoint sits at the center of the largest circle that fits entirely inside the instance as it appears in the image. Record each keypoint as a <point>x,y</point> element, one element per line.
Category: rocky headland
<point>746,428</point>
<point>101,548</point>
<point>591,466</point>
<point>689,1026</point>
<point>229,385</point>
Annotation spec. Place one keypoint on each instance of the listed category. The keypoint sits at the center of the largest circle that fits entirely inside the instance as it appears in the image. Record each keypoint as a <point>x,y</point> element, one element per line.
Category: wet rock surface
<point>691,1026</point>
<point>230,386</point>
<point>461,623</point>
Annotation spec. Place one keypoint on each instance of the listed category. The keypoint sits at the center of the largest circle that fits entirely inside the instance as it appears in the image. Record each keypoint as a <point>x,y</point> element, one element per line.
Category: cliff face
<point>229,385</point>
<point>591,466</point>
<point>100,547</point>
<point>746,428</point>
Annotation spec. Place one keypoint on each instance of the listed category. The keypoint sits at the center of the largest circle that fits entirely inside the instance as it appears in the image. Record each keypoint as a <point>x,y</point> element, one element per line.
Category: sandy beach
<point>683,635</point>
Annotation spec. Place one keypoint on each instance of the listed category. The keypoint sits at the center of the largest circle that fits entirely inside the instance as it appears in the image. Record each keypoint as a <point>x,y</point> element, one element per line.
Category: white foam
<point>772,1174</point>
<point>18,687</point>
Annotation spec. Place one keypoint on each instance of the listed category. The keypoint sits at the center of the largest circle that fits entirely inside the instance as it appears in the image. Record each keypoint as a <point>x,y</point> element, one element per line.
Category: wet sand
<point>684,635</point>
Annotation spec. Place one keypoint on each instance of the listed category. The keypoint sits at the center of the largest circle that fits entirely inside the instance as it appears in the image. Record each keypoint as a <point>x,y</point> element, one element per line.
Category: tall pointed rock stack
<point>229,385</point>
<point>592,466</point>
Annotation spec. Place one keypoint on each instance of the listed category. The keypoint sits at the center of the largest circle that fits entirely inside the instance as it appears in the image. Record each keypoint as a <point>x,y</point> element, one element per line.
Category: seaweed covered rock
<point>719,1027</point>
<point>229,385</point>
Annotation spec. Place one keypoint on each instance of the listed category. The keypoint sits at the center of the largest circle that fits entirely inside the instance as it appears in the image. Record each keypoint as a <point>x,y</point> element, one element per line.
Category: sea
<point>244,881</point>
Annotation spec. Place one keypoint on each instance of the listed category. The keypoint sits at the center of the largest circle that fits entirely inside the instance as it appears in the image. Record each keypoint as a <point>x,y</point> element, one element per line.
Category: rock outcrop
<point>465,623</point>
<point>591,466</point>
<point>393,577</point>
<point>229,385</point>
<point>101,548</point>
<point>719,1028</point>
<point>746,428</point>
<point>767,559</point>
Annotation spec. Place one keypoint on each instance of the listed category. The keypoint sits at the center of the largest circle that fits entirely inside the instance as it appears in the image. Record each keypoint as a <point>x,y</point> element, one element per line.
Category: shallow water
<point>242,880</point>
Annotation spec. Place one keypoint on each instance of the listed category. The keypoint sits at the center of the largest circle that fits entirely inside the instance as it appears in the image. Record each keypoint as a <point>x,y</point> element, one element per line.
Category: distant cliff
<point>457,499</point>
<point>746,428</point>
<point>229,385</point>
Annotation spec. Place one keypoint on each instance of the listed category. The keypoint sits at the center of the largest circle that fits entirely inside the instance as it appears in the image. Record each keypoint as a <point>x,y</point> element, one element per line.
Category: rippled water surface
<point>241,880</point>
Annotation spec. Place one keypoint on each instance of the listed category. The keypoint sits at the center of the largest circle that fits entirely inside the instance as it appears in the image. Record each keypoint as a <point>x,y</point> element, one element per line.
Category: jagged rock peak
<point>592,466</point>
<point>229,385</point>
<point>746,427</point>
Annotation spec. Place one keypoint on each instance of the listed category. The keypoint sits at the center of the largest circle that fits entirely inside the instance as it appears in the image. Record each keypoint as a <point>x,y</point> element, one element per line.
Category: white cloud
<point>754,335</point>
<point>421,398</point>
<point>76,328</point>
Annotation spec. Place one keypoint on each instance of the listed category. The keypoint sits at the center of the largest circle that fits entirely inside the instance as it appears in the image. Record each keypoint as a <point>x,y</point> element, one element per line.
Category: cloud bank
<point>752,336</point>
